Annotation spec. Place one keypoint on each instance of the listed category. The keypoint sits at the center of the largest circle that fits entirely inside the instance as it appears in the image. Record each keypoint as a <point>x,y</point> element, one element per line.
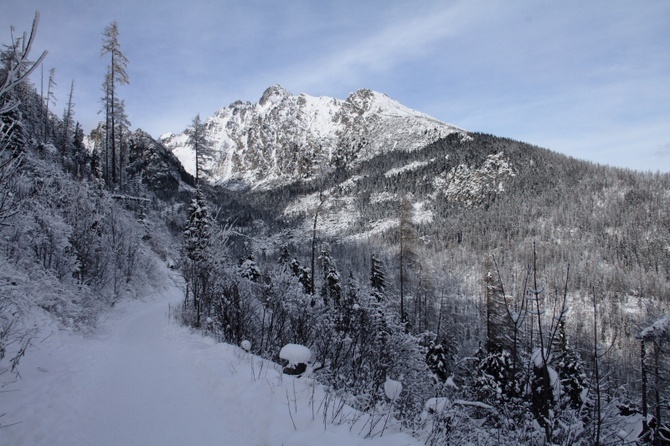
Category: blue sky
<point>590,79</point>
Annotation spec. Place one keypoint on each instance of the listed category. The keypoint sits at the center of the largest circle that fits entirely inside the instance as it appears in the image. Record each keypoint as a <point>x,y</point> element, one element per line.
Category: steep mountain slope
<point>284,138</point>
<point>160,171</point>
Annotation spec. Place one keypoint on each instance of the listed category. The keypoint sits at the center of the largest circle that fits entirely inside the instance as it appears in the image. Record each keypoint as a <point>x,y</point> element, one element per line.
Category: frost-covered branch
<point>18,66</point>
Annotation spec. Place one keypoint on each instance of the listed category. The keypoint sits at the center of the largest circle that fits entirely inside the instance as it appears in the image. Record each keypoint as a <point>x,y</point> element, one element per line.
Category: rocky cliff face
<point>157,167</point>
<point>284,138</point>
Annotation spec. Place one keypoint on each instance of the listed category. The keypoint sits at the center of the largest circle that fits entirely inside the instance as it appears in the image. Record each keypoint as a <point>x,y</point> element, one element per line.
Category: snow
<point>554,381</point>
<point>407,168</point>
<point>422,213</point>
<point>451,383</point>
<point>295,354</point>
<point>141,379</point>
<point>438,405</point>
<point>321,112</point>
<point>376,227</point>
<point>468,184</point>
<point>435,405</point>
<point>392,388</point>
<point>660,328</point>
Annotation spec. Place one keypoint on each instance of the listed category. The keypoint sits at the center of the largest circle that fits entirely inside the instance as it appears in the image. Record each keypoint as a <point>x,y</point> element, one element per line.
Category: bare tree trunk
<point>657,388</point>
<point>645,410</point>
<point>322,199</point>
<point>544,354</point>
<point>112,113</point>
<point>596,371</point>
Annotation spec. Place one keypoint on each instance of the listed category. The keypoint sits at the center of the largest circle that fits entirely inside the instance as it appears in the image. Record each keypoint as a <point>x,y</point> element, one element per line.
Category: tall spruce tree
<point>67,123</point>
<point>377,278</point>
<point>407,253</point>
<point>50,99</point>
<point>113,108</point>
<point>331,289</point>
<point>569,366</point>
<point>200,144</point>
<point>196,255</point>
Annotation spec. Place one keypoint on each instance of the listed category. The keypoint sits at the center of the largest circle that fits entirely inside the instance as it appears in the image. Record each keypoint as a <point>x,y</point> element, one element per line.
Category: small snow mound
<point>246,345</point>
<point>295,354</point>
<point>392,389</point>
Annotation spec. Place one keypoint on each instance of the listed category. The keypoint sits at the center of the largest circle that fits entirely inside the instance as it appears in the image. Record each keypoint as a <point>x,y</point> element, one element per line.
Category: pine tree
<point>200,144</point>
<point>437,359</point>
<point>50,99</point>
<point>657,336</point>
<point>494,379</point>
<point>116,75</point>
<point>350,298</point>
<point>67,124</point>
<point>81,155</point>
<point>569,366</point>
<point>293,265</point>
<point>249,268</point>
<point>198,262</point>
<point>331,290</point>
<point>407,254</point>
<point>377,278</point>
<point>496,327</point>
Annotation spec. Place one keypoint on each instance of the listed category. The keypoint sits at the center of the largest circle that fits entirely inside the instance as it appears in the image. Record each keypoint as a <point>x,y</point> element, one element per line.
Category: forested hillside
<point>477,289</point>
<point>490,221</point>
<point>72,244</point>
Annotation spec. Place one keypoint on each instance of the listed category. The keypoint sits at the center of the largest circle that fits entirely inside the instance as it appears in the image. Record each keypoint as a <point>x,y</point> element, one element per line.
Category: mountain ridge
<point>286,137</point>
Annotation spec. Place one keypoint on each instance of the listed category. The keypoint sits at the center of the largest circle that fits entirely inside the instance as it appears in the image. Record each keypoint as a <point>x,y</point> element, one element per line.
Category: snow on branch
<point>19,66</point>
<point>129,197</point>
<point>658,330</point>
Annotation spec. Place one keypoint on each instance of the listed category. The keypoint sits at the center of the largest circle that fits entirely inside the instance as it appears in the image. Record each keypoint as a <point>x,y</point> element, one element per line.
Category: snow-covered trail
<point>142,390</point>
<point>144,380</point>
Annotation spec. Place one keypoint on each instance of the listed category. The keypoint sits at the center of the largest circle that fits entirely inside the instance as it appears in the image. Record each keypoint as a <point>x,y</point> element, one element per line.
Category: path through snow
<point>144,380</point>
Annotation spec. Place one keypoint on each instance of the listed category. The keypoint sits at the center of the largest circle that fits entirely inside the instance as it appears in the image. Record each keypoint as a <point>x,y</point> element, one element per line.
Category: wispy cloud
<point>383,47</point>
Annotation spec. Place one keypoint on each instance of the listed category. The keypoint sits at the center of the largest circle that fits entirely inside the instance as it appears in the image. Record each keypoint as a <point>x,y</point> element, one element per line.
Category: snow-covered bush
<point>297,356</point>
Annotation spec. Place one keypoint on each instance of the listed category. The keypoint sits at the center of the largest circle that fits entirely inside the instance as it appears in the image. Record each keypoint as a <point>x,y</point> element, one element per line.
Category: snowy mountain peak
<point>286,138</point>
<point>369,101</point>
<point>273,95</point>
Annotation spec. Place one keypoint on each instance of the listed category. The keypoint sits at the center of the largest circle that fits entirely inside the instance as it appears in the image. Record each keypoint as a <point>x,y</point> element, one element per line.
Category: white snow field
<point>141,379</point>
